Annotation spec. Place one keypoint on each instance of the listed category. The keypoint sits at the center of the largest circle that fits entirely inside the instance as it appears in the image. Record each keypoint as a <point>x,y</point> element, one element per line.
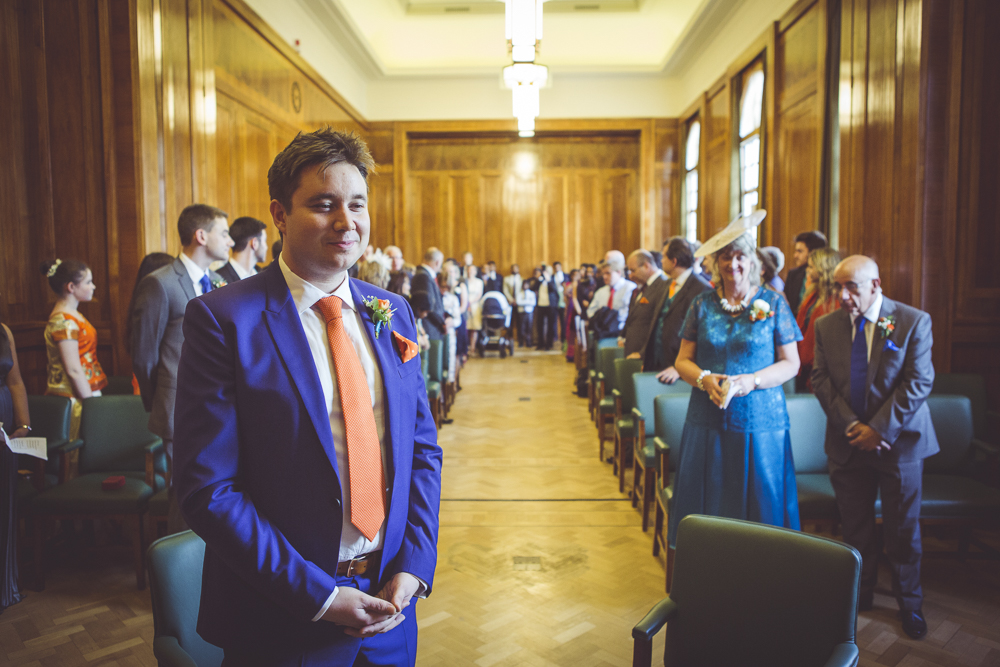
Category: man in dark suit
<point>424,281</point>
<point>249,249</point>
<point>492,281</point>
<point>650,290</point>
<point>665,333</point>
<point>158,318</point>
<point>307,458</point>
<point>872,374</point>
<point>795,282</point>
<point>546,307</point>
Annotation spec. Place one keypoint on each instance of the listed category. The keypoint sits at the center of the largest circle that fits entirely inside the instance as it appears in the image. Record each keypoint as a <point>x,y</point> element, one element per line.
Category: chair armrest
<point>844,655</point>
<point>654,621</point>
<point>152,448</point>
<point>663,454</point>
<point>60,449</point>
<point>617,395</point>
<point>66,446</point>
<point>170,654</point>
<point>640,426</point>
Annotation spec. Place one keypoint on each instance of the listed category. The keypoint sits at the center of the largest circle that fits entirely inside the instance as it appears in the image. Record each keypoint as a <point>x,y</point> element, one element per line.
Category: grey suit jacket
<point>673,320</point>
<point>642,312</point>
<point>899,381</point>
<point>157,338</point>
<point>423,281</point>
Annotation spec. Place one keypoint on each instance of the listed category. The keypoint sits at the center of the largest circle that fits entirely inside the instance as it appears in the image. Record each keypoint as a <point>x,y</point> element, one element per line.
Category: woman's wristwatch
<point>701,377</point>
<point>756,381</point>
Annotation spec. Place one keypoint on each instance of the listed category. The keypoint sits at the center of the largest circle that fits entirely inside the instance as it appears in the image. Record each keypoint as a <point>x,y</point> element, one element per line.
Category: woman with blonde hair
<point>820,299</point>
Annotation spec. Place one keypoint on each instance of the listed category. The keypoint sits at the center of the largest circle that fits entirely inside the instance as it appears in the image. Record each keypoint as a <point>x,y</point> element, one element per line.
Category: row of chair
<point>441,391</point>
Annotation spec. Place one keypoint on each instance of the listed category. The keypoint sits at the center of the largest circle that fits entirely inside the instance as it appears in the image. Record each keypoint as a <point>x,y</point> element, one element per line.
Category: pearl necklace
<point>734,308</point>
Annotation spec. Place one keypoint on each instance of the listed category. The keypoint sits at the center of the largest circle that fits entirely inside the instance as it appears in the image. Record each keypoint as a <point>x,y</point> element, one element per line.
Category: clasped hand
<point>364,615</point>
<point>865,438</point>
<point>713,385</point>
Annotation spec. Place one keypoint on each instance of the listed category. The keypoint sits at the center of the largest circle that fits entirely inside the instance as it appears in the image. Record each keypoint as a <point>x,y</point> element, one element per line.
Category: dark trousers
<point>857,484</point>
<point>546,318</point>
<point>515,323</point>
<point>562,324</point>
<point>527,327</point>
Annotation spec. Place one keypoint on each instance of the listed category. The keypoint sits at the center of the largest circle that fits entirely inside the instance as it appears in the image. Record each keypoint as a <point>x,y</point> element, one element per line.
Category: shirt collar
<point>873,310</point>
<point>305,294</point>
<point>652,279</point>
<point>681,279</point>
<point>195,271</point>
<point>240,271</point>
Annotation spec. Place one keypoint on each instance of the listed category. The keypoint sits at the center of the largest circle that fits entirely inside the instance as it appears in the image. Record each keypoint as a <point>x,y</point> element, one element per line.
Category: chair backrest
<point>966,384</point>
<point>952,418</point>
<point>50,417</point>
<point>591,351</point>
<point>175,565</point>
<point>624,370</point>
<point>118,385</point>
<point>670,412</point>
<point>114,434</point>
<point>435,360</point>
<point>606,364</point>
<point>789,387</point>
<point>750,594</point>
<point>647,388</point>
<point>807,429</point>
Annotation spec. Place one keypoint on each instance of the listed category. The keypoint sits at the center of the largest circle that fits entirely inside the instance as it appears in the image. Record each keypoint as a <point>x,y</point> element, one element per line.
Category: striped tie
<point>364,455</point>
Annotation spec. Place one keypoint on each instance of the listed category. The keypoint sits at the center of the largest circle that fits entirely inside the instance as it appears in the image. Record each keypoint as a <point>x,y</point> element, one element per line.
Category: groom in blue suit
<point>305,452</point>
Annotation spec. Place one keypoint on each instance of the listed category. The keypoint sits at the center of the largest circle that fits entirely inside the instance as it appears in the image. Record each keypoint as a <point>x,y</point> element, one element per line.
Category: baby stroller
<point>496,334</point>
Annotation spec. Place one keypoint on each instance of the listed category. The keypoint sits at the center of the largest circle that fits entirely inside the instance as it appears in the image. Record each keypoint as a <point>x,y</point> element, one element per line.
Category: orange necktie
<point>673,289</point>
<point>366,478</point>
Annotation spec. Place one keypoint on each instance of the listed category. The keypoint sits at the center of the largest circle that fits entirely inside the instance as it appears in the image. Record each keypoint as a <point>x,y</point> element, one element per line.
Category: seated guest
<point>652,287</point>
<point>685,285</point>
<point>615,294</point>
<point>739,343</point>
<point>795,285</point>
<point>772,262</point>
<point>70,339</point>
<point>249,237</point>
<point>872,374</point>
<point>821,299</point>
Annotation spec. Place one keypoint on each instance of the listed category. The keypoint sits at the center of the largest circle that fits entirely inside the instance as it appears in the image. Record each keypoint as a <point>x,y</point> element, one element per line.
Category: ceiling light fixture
<point>524,78</point>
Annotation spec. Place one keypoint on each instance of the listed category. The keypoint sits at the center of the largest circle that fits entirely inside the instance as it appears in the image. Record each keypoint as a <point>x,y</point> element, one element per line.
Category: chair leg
<point>626,462</point>
<point>436,412</point>
<point>636,472</point>
<point>616,454</point>
<point>657,530</point>
<point>649,479</point>
<point>41,527</point>
<point>138,541</point>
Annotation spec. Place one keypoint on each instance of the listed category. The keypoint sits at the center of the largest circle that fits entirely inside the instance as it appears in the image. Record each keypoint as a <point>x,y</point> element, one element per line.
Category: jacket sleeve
<point>206,453</point>
<point>838,410</point>
<point>916,381</point>
<point>422,283</point>
<point>150,315</point>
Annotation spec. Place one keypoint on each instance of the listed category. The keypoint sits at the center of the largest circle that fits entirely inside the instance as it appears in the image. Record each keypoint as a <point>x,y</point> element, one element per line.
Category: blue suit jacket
<point>256,470</point>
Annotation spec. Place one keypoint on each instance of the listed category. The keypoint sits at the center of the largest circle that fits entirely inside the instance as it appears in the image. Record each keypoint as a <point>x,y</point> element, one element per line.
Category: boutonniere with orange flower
<point>760,310</point>
<point>887,325</point>
<point>218,282</point>
<point>381,310</point>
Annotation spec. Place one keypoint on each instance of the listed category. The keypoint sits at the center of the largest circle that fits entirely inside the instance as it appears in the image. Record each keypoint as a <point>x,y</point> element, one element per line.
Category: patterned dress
<point>737,462</point>
<point>63,326</point>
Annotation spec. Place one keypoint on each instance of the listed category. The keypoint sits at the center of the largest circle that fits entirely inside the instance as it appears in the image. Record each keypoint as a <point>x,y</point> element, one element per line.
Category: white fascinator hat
<point>735,229</point>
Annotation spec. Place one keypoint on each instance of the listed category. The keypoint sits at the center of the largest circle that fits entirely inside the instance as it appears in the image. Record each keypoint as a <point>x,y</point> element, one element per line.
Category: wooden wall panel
<point>667,175</point>
<point>716,172</point>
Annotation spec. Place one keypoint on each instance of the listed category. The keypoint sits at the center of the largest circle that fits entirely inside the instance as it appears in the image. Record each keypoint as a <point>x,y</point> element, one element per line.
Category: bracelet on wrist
<point>701,377</point>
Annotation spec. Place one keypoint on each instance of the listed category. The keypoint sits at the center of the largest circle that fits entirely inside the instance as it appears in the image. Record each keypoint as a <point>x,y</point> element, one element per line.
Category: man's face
<point>557,267</point>
<point>515,270</point>
<point>610,277</point>
<point>468,259</point>
<point>589,272</point>
<point>217,240</point>
<point>801,254</point>
<point>640,272</point>
<point>856,291</point>
<point>668,264</point>
<point>396,256</point>
<point>328,226</point>
<point>260,254</point>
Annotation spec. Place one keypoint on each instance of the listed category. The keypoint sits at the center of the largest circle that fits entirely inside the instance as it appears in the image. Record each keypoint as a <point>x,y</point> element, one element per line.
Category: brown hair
<point>195,217</point>
<point>323,147</point>
<point>824,261</point>
<point>679,250</point>
<point>243,230</point>
<point>64,271</point>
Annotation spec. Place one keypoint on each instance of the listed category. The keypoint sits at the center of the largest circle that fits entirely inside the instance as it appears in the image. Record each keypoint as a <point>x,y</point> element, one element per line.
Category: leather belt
<point>356,566</point>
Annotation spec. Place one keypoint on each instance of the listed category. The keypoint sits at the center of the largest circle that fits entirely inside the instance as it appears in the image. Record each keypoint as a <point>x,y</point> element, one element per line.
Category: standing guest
<point>616,294</point>
<point>821,299</point>
<point>772,262</point>
<point>317,545</point>
<point>425,281</point>
<point>374,273</point>
<point>642,311</point>
<point>448,281</point>
<point>17,424</point>
<point>512,285</point>
<point>149,263</point>
<point>461,324</point>
<point>395,256</point>
<point>685,285</point>
<point>399,283</point>
<point>158,319</point>
<point>70,339</point>
<point>249,237</point>
<point>492,281</point>
<point>467,261</point>
<point>657,258</point>
<point>546,308</point>
<point>737,462</point>
<point>572,308</point>
<point>476,288</point>
<point>795,285</point>
<point>872,374</point>
<point>526,300</point>
<point>559,279</point>
<point>585,291</point>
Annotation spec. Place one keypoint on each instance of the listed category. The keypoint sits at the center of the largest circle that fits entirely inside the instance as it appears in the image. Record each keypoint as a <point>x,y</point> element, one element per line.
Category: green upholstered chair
<point>644,459</point>
<point>50,419</point>
<point>433,376</point>
<point>593,371</point>
<point>749,594</point>
<point>670,413</point>
<point>605,408</point>
<point>118,385</point>
<point>624,422</point>
<point>807,430</point>
<point>789,387</point>
<point>175,566</point>
<point>985,422</point>
<point>116,442</point>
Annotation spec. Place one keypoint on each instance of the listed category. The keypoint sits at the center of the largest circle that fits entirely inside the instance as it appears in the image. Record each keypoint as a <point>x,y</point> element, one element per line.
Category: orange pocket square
<point>643,299</point>
<point>407,348</point>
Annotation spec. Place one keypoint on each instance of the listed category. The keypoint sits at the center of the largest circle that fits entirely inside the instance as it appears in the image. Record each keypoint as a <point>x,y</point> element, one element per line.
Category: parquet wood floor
<point>542,561</point>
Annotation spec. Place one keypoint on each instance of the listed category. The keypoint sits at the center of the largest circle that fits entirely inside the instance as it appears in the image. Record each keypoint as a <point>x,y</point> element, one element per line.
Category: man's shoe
<point>447,421</point>
<point>914,624</point>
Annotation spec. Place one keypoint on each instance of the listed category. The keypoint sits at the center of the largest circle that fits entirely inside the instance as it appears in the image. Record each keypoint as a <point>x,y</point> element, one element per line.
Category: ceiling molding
<point>332,18</point>
<point>706,22</point>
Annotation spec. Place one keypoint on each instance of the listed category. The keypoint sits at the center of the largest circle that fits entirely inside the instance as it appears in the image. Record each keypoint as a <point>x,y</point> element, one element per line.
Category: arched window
<point>751,111</point>
<point>691,157</point>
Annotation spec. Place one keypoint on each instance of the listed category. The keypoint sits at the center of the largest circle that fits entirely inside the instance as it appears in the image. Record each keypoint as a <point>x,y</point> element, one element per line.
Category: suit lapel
<point>878,343</point>
<point>282,320</point>
<point>184,278</point>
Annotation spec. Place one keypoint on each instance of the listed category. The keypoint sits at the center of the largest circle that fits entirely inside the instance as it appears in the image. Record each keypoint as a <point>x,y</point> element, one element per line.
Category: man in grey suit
<point>158,318</point>
<point>683,285</point>
<point>249,237</point>
<point>872,374</point>
<point>651,288</point>
<point>424,281</point>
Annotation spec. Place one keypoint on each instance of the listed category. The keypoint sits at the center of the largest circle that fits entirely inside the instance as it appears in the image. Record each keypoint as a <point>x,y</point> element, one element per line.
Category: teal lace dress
<point>737,462</point>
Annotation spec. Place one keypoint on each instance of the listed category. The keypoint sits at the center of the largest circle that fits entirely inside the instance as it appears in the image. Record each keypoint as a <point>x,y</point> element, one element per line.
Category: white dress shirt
<point>872,316</point>
<point>305,295</point>
<point>622,297</point>
<point>241,272</point>
<point>195,271</point>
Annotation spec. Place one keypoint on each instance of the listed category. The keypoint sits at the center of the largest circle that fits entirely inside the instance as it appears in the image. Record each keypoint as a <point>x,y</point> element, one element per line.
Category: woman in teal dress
<point>737,462</point>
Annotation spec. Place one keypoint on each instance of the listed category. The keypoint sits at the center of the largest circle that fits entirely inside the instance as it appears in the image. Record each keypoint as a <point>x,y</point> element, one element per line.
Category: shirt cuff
<point>326,605</point>
<point>422,590</point>
<point>851,425</point>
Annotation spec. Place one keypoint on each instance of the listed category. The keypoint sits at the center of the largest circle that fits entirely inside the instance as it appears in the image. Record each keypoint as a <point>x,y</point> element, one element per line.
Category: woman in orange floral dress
<point>70,339</point>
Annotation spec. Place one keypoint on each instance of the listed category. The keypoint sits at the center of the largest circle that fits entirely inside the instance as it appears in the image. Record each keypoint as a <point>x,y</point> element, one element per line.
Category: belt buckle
<point>351,564</point>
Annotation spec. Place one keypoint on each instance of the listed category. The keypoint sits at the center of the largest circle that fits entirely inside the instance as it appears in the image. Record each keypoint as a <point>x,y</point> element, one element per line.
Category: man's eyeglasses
<point>853,288</point>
